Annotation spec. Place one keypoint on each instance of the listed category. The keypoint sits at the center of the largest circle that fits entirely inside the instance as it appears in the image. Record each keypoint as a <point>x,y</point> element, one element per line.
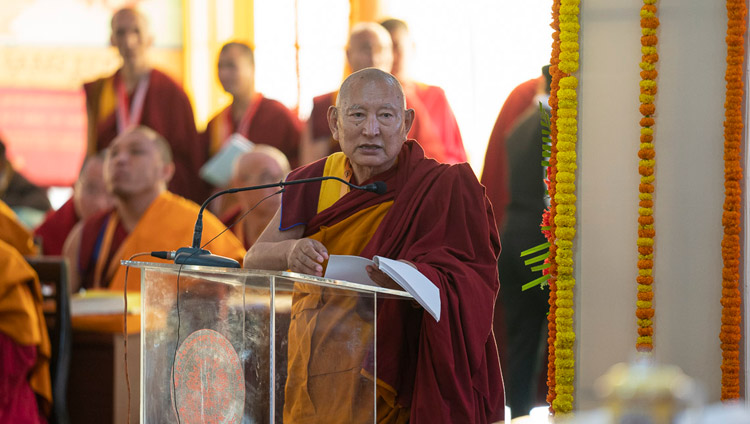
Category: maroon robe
<point>56,227</point>
<point>271,123</point>
<point>442,222</point>
<point>167,110</point>
<point>495,171</point>
<point>436,105</point>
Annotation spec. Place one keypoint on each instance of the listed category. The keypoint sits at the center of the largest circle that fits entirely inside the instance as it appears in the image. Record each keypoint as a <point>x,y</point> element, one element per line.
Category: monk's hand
<point>306,256</point>
<point>381,278</point>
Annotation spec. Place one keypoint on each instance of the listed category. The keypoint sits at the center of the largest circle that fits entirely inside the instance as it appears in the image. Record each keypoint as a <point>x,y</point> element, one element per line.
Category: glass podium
<point>248,346</point>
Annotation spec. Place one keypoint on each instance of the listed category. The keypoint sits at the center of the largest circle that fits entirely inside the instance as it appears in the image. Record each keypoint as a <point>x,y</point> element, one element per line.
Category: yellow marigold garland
<point>550,216</point>
<point>565,198</point>
<point>644,305</point>
<point>731,300</point>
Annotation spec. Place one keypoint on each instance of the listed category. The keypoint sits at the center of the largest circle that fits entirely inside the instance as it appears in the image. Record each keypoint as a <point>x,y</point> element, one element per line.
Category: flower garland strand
<point>565,210</point>
<point>731,300</point>
<point>646,232</point>
<point>549,215</point>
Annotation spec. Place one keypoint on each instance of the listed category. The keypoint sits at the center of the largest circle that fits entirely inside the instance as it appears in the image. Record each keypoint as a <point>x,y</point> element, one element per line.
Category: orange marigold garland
<point>565,209</point>
<point>644,306</point>
<point>731,300</point>
<point>549,218</point>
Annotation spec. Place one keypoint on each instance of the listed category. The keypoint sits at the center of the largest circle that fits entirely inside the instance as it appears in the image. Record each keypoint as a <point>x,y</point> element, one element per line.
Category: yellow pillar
<point>204,24</point>
<point>364,11</point>
<point>244,21</point>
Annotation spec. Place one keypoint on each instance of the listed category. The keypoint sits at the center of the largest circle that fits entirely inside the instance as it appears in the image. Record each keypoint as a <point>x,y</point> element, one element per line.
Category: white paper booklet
<point>353,269</point>
<point>218,169</point>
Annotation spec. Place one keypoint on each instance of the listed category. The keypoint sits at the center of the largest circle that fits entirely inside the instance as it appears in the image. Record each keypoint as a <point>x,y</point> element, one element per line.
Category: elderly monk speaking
<point>434,217</point>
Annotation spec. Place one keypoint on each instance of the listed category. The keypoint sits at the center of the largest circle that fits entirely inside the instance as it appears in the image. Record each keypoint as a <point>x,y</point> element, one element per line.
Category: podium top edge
<point>242,272</point>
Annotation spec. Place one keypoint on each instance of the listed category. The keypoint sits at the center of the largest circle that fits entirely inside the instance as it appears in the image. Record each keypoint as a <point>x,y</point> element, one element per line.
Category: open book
<point>353,269</point>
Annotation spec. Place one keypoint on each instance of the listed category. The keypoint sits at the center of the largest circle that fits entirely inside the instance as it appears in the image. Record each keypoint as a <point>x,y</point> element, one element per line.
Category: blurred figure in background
<point>262,165</point>
<point>90,196</point>
<point>138,94</point>
<point>27,200</point>
<point>369,46</point>
<point>25,384</point>
<point>432,100</point>
<point>495,171</point>
<point>257,118</point>
<point>525,311</point>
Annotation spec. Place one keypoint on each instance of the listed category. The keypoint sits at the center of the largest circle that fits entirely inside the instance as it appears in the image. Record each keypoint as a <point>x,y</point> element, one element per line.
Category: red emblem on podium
<point>208,382</point>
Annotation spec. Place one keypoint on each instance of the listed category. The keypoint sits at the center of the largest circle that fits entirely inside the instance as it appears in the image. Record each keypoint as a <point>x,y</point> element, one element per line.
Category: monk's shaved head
<point>370,74</point>
<point>130,11</point>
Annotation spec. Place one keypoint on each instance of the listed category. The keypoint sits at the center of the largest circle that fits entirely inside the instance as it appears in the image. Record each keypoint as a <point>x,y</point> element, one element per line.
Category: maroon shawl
<point>441,221</point>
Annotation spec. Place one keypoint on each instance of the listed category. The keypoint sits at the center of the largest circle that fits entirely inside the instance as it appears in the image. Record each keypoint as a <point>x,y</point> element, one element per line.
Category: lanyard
<point>128,117</point>
<point>247,118</point>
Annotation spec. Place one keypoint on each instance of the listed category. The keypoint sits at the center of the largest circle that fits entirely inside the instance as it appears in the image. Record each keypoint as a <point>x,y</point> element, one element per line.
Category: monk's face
<point>368,50</point>
<point>90,194</point>
<point>253,169</point>
<point>236,72</point>
<point>131,36</point>
<point>134,165</point>
<point>371,124</point>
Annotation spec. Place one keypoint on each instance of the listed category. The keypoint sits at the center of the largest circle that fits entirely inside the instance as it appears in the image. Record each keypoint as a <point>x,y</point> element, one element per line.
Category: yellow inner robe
<point>328,338</point>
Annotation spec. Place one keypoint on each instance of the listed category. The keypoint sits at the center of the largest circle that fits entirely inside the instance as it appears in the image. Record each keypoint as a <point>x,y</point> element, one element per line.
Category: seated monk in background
<point>90,196</point>
<point>260,166</point>
<point>146,217</point>
<point>25,386</point>
<point>436,218</point>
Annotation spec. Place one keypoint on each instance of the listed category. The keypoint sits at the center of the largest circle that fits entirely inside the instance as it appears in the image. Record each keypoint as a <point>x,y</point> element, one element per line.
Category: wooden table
<point>97,388</point>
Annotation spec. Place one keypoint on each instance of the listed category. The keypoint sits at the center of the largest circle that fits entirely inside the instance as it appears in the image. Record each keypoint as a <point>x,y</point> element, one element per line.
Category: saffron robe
<point>438,218</point>
<point>167,110</point>
<point>13,232</point>
<point>495,171</point>
<point>55,228</point>
<point>24,343</point>
<point>422,129</point>
<point>167,224</point>
<point>441,115</point>
<point>270,122</point>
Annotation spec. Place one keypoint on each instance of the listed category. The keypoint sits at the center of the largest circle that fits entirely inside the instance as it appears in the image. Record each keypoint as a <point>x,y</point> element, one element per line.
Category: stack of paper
<point>353,269</point>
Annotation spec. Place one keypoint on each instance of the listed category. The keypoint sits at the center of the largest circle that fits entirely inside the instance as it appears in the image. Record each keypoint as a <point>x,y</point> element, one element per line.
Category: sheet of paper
<point>218,169</point>
<point>349,268</point>
<point>353,269</point>
<point>424,291</point>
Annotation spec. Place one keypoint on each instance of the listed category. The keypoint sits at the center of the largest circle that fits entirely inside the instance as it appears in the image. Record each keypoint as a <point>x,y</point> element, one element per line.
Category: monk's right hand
<point>306,256</point>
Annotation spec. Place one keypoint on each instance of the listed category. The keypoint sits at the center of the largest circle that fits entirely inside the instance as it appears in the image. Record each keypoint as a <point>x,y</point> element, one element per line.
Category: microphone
<point>194,255</point>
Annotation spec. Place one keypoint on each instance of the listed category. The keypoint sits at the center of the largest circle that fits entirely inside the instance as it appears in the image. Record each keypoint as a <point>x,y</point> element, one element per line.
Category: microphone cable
<point>125,327</point>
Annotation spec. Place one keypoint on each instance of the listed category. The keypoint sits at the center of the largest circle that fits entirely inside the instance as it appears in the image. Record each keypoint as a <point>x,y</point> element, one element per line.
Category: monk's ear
<point>167,172</point>
<point>408,119</point>
<point>333,117</point>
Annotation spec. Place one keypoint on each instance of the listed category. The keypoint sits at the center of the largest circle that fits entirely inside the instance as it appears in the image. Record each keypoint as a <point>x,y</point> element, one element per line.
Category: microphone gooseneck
<point>195,255</point>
